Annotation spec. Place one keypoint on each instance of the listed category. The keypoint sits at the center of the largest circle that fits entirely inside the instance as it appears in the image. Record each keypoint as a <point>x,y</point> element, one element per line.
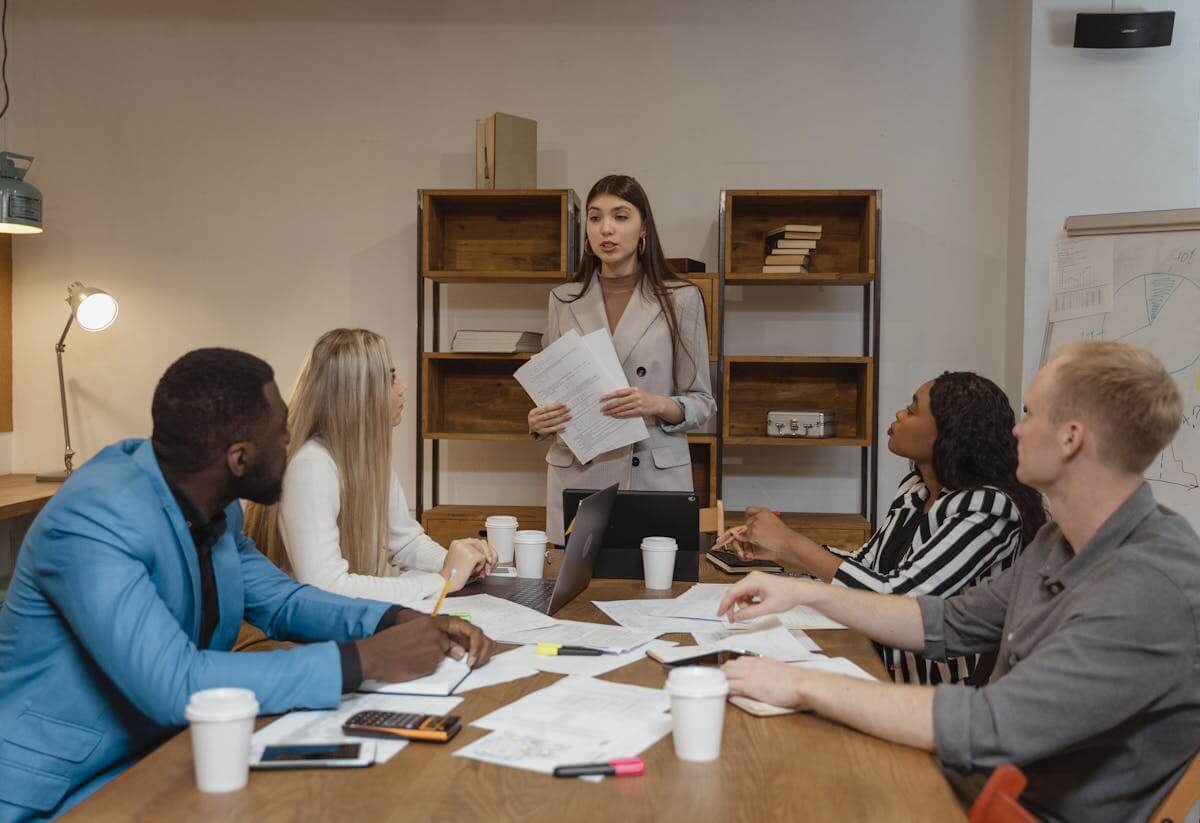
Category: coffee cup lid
<point>697,681</point>
<point>221,704</point>
<point>659,544</point>
<point>529,536</point>
<point>501,521</point>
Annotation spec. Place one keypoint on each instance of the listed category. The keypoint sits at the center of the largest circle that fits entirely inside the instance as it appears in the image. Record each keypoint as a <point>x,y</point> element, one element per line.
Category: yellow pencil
<point>442,596</point>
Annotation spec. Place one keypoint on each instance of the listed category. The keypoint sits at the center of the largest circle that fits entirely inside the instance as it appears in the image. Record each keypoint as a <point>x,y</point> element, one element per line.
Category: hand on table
<point>771,681</point>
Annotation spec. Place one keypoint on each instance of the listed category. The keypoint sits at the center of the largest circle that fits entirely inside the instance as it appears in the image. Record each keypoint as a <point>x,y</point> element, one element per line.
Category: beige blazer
<point>643,343</point>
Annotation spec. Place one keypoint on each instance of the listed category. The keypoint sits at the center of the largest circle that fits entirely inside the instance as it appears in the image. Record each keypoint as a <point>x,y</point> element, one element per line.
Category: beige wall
<point>245,174</point>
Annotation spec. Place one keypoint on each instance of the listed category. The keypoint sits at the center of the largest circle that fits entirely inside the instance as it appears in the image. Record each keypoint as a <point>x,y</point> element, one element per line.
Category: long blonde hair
<point>343,399</point>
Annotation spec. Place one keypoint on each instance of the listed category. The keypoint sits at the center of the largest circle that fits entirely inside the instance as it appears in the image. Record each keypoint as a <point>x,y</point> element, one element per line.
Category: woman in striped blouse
<point>960,516</point>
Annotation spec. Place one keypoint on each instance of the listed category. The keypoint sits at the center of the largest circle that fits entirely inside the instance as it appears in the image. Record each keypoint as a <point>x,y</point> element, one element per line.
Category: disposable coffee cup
<point>658,561</point>
<point>530,548</point>
<point>222,721</point>
<point>500,531</point>
<point>697,711</point>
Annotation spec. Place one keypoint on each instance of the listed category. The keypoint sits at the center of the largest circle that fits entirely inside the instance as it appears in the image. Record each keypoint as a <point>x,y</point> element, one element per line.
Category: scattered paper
<point>601,636</point>
<point>587,665</point>
<point>444,679</point>
<point>642,615</point>
<point>767,639</point>
<point>834,665</point>
<point>570,371</point>
<point>300,728</point>
<point>578,719</point>
<point>1081,277</point>
<point>502,668</point>
<point>493,615</point>
<point>700,602</point>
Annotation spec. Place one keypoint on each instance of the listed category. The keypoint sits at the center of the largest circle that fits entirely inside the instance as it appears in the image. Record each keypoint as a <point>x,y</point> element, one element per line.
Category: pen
<point>442,596</point>
<point>621,767</point>
<point>559,650</point>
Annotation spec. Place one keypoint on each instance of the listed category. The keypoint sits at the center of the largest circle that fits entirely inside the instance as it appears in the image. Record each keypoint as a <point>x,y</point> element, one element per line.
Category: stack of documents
<point>577,371</point>
<point>494,616</point>
<point>576,720</point>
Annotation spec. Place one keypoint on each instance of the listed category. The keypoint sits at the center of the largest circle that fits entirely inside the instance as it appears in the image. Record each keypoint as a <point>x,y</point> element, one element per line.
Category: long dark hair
<point>658,279</point>
<point>975,445</point>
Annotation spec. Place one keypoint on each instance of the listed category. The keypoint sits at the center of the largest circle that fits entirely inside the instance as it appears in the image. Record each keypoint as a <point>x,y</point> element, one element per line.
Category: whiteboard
<point>1156,306</point>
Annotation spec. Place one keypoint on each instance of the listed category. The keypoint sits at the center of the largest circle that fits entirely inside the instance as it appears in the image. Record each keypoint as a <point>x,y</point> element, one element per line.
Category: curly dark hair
<point>975,445</point>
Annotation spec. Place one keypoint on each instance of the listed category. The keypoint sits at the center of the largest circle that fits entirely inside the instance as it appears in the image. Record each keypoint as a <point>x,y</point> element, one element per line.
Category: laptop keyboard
<point>535,594</point>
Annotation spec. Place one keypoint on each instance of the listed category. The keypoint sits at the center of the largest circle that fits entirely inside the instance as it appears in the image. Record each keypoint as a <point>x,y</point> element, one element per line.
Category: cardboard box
<point>505,152</point>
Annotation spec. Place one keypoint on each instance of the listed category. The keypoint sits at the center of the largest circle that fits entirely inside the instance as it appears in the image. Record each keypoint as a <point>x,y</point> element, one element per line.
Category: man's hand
<point>408,650</point>
<point>466,641</point>
<point>760,594</point>
<point>770,681</point>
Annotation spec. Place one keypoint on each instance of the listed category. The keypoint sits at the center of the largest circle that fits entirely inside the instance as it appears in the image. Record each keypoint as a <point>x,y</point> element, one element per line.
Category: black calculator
<point>432,728</point>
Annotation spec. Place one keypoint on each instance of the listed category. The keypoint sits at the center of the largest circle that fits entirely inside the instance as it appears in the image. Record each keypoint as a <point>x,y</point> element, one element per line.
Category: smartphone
<point>313,756</point>
<point>430,728</point>
<point>680,656</point>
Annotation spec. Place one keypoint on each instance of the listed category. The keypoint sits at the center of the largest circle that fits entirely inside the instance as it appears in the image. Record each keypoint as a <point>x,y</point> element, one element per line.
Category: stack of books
<point>496,342</point>
<point>789,248</point>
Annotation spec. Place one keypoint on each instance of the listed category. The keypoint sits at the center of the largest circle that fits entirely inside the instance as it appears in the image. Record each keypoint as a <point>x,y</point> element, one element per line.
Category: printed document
<point>577,371</point>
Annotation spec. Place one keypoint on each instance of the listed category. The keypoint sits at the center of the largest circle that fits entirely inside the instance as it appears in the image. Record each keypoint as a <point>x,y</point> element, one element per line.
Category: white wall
<point>245,174</point>
<point>1109,131</point>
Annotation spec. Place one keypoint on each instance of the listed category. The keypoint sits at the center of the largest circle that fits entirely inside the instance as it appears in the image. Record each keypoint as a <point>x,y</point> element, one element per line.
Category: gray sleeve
<point>696,399</point>
<point>1129,643</point>
<point>970,622</point>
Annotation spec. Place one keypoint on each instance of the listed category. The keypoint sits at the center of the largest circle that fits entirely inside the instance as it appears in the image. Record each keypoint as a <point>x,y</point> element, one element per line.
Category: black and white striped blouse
<point>966,537</point>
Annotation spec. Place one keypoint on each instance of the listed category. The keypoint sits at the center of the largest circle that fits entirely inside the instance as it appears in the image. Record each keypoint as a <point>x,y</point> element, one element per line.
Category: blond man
<point>1095,694</point>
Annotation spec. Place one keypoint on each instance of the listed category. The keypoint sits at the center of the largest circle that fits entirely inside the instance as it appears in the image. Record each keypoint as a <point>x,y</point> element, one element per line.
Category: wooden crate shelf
<point>518,236</point>
<point>757,385</point>
<point>846,531</point>
<point>845,254</point>
<point>710,289</point>
<point>473,397</point>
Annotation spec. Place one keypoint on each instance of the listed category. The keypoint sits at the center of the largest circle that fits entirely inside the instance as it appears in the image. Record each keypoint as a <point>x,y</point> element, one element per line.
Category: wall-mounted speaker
<point>1124,31</point>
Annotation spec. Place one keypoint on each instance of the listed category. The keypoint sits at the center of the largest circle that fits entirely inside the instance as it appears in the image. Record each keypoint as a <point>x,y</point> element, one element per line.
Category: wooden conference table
<point>795,767</point>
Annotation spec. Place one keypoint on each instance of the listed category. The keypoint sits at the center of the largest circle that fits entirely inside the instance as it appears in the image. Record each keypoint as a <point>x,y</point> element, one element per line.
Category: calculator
<point>432,728</point>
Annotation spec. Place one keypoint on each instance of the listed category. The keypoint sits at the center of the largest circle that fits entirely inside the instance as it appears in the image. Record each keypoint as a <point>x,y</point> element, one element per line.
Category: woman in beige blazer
<point>658,328</point>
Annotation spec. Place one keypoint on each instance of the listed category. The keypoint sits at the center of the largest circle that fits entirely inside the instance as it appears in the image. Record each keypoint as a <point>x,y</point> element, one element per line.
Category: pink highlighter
<point>621,767</point>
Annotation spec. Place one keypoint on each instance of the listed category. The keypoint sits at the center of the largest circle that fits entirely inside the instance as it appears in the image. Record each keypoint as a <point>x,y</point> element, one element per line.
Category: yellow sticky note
<point>1198,379</point>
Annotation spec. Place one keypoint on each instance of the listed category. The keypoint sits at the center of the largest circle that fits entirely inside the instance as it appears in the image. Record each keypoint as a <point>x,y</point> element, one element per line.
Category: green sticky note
<point>462,616</point>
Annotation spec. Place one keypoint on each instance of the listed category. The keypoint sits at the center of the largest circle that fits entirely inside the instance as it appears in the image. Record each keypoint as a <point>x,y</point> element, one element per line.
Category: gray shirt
<point>1095,694</point>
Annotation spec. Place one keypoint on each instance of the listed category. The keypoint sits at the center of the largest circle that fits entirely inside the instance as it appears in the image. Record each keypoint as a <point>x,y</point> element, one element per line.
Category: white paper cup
<point>658,561</point>
<point>222,721</point>
<point>697,711</point>
<point>530,548</point>
<point>500,531</point>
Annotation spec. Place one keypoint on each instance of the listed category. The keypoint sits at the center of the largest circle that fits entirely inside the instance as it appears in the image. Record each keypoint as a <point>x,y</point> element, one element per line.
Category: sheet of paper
<point>805,617</point>
<point>701,601</point>
<point>443,681</point>
<point>326,726</point>
<point>600,344</point>
<point>832,665</point>
<point>768,639</point>
<point>502,668</point>
<point>568,371</point>
<point>642,615</point>
<point>616,639</point>
<point>578,719</point>
<point>494,615</point>
<point>1081,277</point>
<point>581,706</point>
<point>586,665</point>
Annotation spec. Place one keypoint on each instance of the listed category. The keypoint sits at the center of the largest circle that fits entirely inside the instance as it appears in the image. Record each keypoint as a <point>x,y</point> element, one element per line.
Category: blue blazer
<point>98,634</point>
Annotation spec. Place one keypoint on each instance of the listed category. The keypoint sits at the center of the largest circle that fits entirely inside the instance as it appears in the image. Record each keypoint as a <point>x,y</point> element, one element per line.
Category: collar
<point>1067,569</point>
<point>199,524</point>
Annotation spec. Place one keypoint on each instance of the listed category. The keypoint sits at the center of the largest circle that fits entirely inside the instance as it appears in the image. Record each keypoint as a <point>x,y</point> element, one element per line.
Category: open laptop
<point>638,514</point>
<point>579,560</point>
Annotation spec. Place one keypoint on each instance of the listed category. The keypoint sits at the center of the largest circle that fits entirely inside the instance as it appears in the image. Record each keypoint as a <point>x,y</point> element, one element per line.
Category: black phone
<point>312,755</point>
<point>708,659</point>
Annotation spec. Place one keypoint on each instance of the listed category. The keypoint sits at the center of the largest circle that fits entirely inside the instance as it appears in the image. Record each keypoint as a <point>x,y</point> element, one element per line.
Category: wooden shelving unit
<point>751,386</point>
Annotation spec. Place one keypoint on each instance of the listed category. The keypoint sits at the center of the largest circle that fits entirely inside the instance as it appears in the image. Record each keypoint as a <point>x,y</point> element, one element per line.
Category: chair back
<point>1182,797</point>
<point>998,803</point>
<point>712,519</point>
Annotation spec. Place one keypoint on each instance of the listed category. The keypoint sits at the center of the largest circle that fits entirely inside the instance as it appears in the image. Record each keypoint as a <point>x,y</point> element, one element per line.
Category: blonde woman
<point>342,523</point>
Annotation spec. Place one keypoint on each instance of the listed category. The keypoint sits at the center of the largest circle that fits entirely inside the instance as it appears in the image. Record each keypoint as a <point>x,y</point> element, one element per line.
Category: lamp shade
<point>94,309</point>
<point>20,203</point>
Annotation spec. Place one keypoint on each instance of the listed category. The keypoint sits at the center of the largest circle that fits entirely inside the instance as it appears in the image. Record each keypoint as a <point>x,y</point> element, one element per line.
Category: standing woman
<point>658,328</point>
<point>342,523</point>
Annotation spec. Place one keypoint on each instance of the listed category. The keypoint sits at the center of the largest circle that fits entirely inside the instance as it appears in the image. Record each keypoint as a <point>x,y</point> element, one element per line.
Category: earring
<point>641,245</point>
